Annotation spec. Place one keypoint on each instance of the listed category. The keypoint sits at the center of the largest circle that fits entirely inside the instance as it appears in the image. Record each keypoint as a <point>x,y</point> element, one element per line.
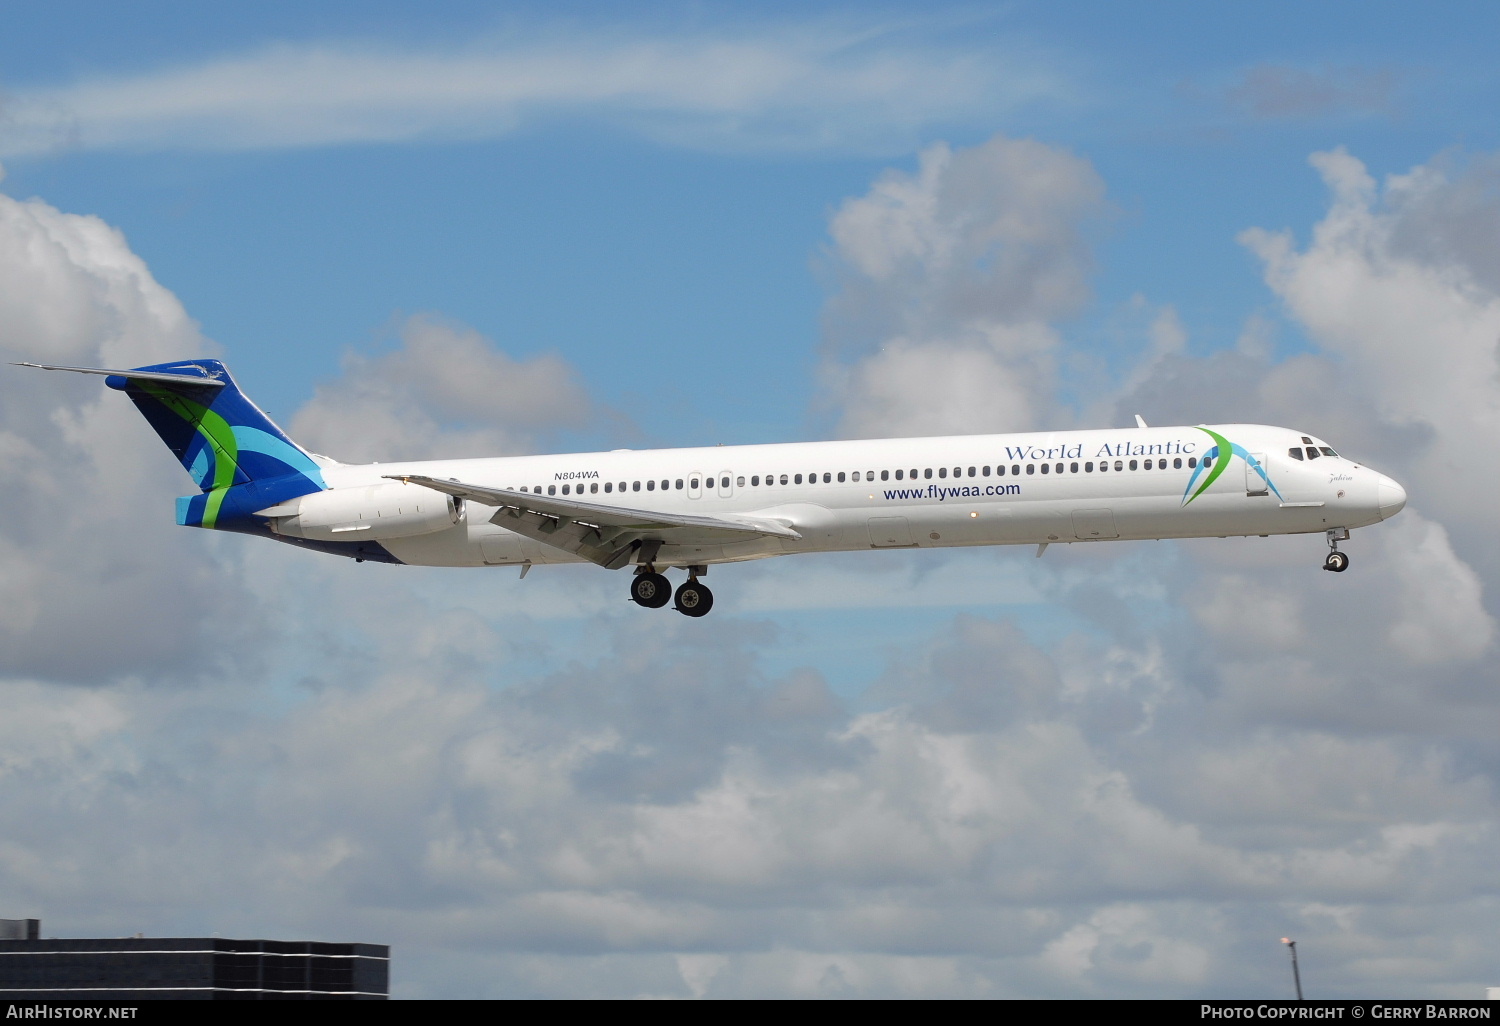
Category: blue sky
<point>703,223</point>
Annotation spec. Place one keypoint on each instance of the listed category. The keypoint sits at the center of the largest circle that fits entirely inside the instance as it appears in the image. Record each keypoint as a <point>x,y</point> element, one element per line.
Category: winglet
<point>1139,422</point>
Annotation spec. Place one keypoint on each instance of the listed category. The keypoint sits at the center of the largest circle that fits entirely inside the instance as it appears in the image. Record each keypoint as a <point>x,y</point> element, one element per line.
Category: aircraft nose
<point>1390,496</point>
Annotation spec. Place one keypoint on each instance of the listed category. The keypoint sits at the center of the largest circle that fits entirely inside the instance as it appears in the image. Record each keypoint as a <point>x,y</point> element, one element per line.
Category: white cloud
<point>810,85</point>
<point>948,281</point>
<point>1396,289</point>
<point>95,580</point>
<point>1170,757</point>
<point>446,393</point>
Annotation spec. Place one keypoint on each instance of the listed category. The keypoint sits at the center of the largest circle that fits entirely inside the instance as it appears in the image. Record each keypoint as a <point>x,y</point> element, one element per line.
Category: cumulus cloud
<point>447,392</point>
<point>809,85</point>
<point>1398,290</point>
<point>1132,782</point>
<point>949,280</point>
<point>93,580</point>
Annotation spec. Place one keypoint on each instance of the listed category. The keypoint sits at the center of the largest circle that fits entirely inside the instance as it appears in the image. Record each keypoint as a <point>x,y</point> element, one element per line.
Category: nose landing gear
<point>652,590</point>
<point>1337,561</point>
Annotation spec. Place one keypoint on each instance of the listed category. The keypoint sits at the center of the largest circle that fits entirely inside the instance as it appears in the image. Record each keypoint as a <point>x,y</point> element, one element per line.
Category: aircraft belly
<point>476,543</point>
<point>452,547</point>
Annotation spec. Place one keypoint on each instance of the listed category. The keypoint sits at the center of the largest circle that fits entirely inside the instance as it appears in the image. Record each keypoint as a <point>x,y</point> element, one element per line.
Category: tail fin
<point>220,437</point>
<point>241,460</point>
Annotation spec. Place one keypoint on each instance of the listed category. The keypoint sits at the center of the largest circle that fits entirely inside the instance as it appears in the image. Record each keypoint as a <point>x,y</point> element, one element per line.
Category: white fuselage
<point>1029,488</point>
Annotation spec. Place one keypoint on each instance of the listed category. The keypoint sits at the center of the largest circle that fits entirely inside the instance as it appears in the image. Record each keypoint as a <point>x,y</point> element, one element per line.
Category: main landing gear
<point>652,590</point>
<point>1337,561</point>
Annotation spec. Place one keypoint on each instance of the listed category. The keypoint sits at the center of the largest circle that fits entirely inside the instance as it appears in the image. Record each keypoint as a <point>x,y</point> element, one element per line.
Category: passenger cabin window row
<point>942,473</point>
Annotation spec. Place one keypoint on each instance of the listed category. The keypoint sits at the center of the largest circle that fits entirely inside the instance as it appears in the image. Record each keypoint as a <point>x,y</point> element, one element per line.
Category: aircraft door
<point>890,533</point>
<point>726,484</point>
<point>695,485</point>
<point>1094,524</point>
<point>1255,479</point>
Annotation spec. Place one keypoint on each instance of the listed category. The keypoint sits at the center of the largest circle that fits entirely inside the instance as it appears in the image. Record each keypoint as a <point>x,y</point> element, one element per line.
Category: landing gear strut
<point>1337,561</point>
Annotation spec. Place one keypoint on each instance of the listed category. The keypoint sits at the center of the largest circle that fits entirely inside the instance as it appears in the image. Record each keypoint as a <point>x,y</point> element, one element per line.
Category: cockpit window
<point>1295,452</point>
<point>1312,452</point>
<point>1326,451</point>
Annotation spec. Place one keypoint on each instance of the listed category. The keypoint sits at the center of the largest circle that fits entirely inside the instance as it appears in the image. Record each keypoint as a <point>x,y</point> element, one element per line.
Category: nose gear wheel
<point>1337,561</point>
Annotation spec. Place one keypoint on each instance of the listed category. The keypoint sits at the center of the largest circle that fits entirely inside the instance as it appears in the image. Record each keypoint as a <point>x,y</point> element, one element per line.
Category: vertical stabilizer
<point>227,443</point>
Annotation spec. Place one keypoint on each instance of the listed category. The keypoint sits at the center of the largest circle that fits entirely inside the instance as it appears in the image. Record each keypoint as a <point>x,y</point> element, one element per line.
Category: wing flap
<point>603,534</point>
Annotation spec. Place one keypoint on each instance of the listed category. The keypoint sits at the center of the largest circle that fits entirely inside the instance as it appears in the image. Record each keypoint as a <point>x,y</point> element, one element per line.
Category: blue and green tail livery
<point>1215,466</point>
<point>237,455</point>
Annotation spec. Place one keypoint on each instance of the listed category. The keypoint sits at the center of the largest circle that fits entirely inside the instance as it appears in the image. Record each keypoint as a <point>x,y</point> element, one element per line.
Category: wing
<point>606,535</point>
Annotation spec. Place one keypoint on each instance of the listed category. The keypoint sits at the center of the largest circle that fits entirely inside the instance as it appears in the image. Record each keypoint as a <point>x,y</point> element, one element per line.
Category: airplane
<point>659,509</point>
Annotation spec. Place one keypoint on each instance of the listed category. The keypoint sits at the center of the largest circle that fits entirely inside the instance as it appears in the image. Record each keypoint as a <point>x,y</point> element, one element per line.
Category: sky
<point>461,229</point>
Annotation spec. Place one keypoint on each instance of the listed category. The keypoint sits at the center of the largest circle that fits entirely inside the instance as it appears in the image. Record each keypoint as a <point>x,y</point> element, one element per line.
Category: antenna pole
<point>1296,975</point>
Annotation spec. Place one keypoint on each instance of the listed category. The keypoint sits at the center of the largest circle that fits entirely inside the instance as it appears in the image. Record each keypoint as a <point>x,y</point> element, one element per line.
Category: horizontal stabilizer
<point>202,381</point>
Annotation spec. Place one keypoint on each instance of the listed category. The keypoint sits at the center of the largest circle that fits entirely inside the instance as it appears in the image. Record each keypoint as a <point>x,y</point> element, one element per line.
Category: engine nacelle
<point>366,513</point>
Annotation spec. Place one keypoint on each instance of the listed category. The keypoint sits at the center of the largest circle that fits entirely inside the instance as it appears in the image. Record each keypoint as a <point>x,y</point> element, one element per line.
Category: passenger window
<point>693,484</point>
<point>1177,463</point>
<point>679,484</point>
<point>1208,461</point>
<point>855,476</point>
<point>799,479</point>
<point>1088,468</point>
<point>971,471</point>
<point>1295,452</point>
<point>609,486</point>
<point>1120,465</point>
<point>1031,468</point>
<point>739,482</point>
<point>1015,470</point>
<point>552,489</point>
<point>986,470</point>
<point>1046,468</point>
<point>942,472</point>
<point>900,474</point>
<point>1132,464</point>
<point>1000,470</point>
<point>885,475</point>
<point>723,482</point>
<point>1059,468</point>
<point>827,478</point>
<point>635,486</point>
<point>783,479</point>
<point>914,474</point>
<point>928,474</point>
<point>1072,468</point>
<point>1192,462</point>
<point>841,477</point>
<point>755,481</point>
<point>1103,466</point>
